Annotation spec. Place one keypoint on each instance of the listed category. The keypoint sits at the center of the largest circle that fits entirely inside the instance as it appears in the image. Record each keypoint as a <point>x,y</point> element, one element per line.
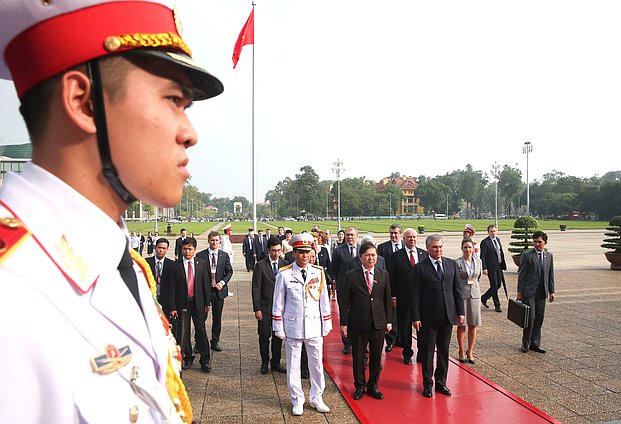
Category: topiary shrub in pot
<point>522,236</point>
<point>613,242</point>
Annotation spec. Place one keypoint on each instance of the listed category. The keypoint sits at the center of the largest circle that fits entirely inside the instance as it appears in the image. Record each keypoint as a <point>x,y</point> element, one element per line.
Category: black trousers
<point>359,341</point>
<point>433,337</point>
<point>217,305</point>
<point>200,334</point>
<point>250,261</point>
<point>532,333</point>
<point>392,336</point>
<point>495,281</point>
<point>265,334</point>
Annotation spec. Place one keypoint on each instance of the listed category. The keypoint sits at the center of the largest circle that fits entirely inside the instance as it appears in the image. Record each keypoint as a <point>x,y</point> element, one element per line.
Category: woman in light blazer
<point>469,270</point>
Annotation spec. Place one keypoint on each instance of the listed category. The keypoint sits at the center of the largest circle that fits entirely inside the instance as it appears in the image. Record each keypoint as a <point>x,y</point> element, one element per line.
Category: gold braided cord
<point>136,40</point>
<point>174,384</point>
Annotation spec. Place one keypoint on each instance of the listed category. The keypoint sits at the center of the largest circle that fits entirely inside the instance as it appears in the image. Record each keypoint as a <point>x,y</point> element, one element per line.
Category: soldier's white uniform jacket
<point>66,308</point>
<point>301,309</point>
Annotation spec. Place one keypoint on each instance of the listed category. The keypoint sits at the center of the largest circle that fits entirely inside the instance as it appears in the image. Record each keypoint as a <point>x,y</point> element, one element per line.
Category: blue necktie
<point>440,271</point>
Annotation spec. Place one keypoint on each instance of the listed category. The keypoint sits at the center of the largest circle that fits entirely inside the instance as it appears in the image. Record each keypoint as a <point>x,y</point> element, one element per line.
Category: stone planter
<point>421,229</point>
<point>563,227</point>
<point>614,259</point>
<point>516,260</point>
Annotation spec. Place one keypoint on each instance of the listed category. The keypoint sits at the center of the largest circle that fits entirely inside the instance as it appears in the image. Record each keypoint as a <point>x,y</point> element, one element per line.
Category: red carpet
<point>475,399</point>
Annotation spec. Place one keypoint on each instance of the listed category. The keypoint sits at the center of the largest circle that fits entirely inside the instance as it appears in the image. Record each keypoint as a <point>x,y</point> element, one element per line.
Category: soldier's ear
<point>75,91</point>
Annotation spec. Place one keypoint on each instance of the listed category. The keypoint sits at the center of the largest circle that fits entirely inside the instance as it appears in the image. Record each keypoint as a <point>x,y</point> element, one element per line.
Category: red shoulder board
<point>12,234</point>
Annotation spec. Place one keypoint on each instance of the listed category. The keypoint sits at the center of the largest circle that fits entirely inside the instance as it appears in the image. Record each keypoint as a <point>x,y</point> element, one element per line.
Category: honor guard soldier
<point>301,315</point>
<point>103,87</point>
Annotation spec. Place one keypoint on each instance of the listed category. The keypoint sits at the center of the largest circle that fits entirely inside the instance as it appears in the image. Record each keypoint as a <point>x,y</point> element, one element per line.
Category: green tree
<point>510,186</point>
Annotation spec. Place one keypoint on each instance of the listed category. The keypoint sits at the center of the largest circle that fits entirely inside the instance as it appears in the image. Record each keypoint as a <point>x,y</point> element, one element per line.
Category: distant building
<point>410,205</point>
<point>13,157</point>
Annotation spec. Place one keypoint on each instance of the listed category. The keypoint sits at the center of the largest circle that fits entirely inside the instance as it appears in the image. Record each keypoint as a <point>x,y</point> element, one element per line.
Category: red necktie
<point>190,279</point>
<point>369,282</point>
<point>412,260</point>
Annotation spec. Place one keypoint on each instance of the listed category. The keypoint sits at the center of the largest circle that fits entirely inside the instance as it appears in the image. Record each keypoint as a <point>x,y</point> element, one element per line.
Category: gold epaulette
<point>12,234</point>
<point>285,267</point>
<point>317,266</point>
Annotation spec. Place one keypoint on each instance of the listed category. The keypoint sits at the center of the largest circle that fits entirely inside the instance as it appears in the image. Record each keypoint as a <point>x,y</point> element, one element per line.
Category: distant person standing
<point>248,250</point>
<point>163,270</point>
<point>469,233</point>
<point>263,281</point>
<point>535,286</point>
<point>281,233</point>
<point>134,241</point>
<point>150,243</point>
<point>301,316</point>
<point>493,259</point>
<point>260,244</point>
<point>386,250</point>
<point>226,244</point>
<point>179,245</point>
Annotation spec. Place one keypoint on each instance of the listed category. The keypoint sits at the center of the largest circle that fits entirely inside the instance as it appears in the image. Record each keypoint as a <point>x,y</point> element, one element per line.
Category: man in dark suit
<point>263,279</point>
<point>493,259</point>
<point>385,250</point>
<point>365,311</point>
<point>163,270</point>
<point>535,285</point>
<point>219,273</point>
<point>341,256</point>
<point>192,293</point>
<point>179,245</point>
<point>260,245</point>
<point>249,250</point>
<point>436,305</point>
<point>402,263</point>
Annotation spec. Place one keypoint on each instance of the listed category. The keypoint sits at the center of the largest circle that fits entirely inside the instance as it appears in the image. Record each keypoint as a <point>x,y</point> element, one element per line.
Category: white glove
<point>280,334</point>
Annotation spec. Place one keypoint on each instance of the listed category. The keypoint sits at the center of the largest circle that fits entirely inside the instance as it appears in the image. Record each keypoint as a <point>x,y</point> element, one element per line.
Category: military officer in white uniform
<point>103,87</point>
<point>301,314</point>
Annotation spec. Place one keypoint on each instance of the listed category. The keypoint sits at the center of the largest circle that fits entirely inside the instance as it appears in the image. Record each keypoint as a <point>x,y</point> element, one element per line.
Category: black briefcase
<point>518,313</point>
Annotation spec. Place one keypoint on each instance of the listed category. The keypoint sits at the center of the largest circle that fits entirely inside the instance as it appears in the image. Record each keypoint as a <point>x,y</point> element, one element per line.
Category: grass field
<point>376,226</point>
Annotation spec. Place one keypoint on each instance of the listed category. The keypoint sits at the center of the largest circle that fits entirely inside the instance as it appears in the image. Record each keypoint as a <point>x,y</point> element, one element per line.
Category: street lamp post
<point>527,149</point>
<point>338,170</point>
<point>496,174</point>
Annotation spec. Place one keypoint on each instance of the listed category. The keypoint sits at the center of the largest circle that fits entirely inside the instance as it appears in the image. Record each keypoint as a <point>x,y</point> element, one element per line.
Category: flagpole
<point>254,165</point>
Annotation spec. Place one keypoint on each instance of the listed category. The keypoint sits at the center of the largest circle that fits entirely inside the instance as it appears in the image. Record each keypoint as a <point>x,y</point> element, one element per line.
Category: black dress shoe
<point>187,363</point>
<point>279,368</point>
<point>536,348</point>
<point>444,390</point>
<point>264,368</point>
<point>427,393</point>
<point>407,361</point>
<point>375,393</point>
<point>484,302</point>
<point>358,394</point>
<point>463,361</point>
<point>389,347</point>
<point>216,346</point>
<point>497,309</point>
<point>346,350</point>
<point>523,349</point>
<point>206,367</point>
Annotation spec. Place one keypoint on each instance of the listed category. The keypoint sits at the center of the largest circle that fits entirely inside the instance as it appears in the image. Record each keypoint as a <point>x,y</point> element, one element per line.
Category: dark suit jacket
<point>224,269</point>
<point>202,283</point>
<point>167,282</point>
<point>401,275</point>
<point>361,310</point>
<point>178,246</point>
<point>385,251</point>
<point>339,261</point>
<point>434,301</point>
<point>529,273</point>
<point>260,246</point>
<point>246,246</point>
<point>263,280</point>
<point>323,259</point>
<point>489,257</point>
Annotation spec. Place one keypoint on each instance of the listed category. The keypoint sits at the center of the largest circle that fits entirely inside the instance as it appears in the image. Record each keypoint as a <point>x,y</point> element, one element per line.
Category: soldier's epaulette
<point>317,266</point>
<point>285,267</point>
<point>12,234</point>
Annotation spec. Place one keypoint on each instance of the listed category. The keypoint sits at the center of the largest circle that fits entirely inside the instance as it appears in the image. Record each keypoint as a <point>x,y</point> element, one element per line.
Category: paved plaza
<point>577,381</point>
